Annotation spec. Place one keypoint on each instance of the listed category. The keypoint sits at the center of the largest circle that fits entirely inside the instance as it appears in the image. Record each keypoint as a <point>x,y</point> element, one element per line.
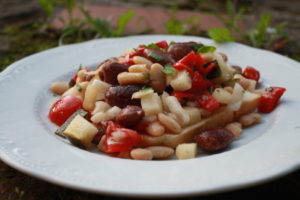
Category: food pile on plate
<point>161,99</point>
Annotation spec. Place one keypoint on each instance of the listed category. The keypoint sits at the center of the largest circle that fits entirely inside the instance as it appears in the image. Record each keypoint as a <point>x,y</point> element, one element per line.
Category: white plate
<point>27,141</point>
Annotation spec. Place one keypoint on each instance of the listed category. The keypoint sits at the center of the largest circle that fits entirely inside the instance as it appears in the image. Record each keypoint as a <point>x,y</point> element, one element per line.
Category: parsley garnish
<point>168,69</point>
<point>197,46</point>
<point>156,56</point>
<point>152,46</point>
<point>172,42</point>
<point>80,67</point>
<point>78,87</point>
<point>145,89</point>
<point>206,49</point>
<point>236,72</point>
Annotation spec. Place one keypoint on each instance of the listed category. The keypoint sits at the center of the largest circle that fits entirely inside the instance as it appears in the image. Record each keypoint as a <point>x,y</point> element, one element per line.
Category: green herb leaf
<point>145,89</point>
<point>236,72</point>
<point>172,42</point>
<point>47,6</point>
<point>197,46</point>
<point>78,87</point>
<point>80,67</point>
<point>122,22</point>
<point>168,69</point>
<point>261,29</point>
<point>155,56</point>
<point>206,49</point>
<point>152,46</point>
<point>220,35</point>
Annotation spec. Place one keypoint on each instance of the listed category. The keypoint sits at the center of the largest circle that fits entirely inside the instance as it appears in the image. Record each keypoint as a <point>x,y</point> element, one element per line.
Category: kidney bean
<point>130,116</point>
<point>121,95</point>
<point>110,71</point>
<point>213,140</point>
<point>179,50</point>
<point>158,56</point>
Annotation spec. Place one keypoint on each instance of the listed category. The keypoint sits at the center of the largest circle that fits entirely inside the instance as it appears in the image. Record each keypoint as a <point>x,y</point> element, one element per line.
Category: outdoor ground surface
<point>16,185</point>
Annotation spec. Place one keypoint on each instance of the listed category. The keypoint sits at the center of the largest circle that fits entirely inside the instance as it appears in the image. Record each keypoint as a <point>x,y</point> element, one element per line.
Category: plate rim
<point>11,162</point>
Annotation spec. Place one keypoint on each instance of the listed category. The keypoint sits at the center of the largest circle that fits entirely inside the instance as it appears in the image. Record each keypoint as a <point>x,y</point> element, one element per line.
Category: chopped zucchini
<point>80,132</point>
<point>61,129</point>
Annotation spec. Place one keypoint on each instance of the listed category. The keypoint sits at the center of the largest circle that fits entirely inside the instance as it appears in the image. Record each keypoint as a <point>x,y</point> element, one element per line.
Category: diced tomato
<point>208,102</point>
<point>127,60</point>
<point>141,49</point>
<point>180,95</point>
<point>269,99</point>
<point>134,54</point>
<point>162,44</point>
<point>180,66</point>
<point>199,83</point>
<point>119,139</point>
<point>63,108</point>
<point>251,73</point>
<point>76,75</point>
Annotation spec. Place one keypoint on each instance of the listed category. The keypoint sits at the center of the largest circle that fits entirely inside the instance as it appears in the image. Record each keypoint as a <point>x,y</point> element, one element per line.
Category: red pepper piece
<point>269,99</point>
<point>180,95</point>
<point>210,67</point>
<point>199,83</point>
<point>120,139</point>
<point>162,44</point>
<point>141,49</point>
<point>199,62</point>
<point>208,102</point>
<point>180,66</point>
<point>188,60</point>
<point>251,73</point>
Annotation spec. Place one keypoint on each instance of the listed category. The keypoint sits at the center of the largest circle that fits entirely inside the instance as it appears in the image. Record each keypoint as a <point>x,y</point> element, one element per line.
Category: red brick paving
<point>145,17</point>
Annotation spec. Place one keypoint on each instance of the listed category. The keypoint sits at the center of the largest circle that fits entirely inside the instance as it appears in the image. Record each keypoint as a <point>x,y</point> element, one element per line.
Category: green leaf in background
<point>71,4</point>
<point>206,49</point>
<point>101,26</point>
<point>152,46</point>
<point>280,28</point>
<point>261,29</point>
<point>122,22</point>
<point>174,26</point>
<point>220,35</point>
<point>47,6</point>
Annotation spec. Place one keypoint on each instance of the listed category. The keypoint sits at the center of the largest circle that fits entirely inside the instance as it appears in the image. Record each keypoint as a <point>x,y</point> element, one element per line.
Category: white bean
<point>158,78</point>
<point>250,119</point>
<point>142,60</point>
<point>59,87</point>
<point>141,154</point>
<point>155,129</point>
<point>161,152</point>
<point>169,123</point>
<point>127,78</point>
<point>235,128</point>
